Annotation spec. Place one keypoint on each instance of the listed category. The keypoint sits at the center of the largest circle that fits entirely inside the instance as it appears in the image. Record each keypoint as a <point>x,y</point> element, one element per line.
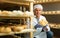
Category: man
<point>41,31</point>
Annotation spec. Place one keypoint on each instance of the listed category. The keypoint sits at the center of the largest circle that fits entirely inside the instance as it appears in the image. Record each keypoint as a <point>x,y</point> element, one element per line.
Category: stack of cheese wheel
<point>43,22</point>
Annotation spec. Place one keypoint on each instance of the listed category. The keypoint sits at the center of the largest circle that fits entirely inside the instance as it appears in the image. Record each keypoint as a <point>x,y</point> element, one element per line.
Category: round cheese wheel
<point>16,29</point>
<point>2,29</point>
<point>8,30</point>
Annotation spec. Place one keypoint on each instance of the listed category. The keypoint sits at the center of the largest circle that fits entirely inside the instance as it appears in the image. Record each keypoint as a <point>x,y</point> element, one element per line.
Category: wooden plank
<point>31,26</point>
<point>13,17</point>
<point>40,2</point>
<point>23,31</point>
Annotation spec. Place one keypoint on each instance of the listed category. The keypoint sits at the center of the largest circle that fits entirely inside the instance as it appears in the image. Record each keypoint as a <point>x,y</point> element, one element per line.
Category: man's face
<point>37,11</point>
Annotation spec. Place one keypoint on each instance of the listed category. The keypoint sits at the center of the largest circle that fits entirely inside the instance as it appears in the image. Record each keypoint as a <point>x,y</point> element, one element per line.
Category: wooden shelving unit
<point>20,2</point>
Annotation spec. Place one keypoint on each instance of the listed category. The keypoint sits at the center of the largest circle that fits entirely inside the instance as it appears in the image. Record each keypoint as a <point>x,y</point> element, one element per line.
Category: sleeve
<point>37,26</point>
<point>48,27</point>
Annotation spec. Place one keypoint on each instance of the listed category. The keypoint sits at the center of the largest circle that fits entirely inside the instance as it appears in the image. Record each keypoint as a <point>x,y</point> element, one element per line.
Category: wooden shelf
<point>20,2</point>
<point>23,31</point>
<point>46,1</point>
<point>50,13</point>
<point>14,17</point>
<point>54,25</point>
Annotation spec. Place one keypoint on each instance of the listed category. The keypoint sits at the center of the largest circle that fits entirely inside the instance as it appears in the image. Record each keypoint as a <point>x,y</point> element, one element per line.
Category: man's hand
<point>45,29</point>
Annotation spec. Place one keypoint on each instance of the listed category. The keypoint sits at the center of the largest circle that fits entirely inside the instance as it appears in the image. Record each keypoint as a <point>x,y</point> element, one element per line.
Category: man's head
<point>37,9</point>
